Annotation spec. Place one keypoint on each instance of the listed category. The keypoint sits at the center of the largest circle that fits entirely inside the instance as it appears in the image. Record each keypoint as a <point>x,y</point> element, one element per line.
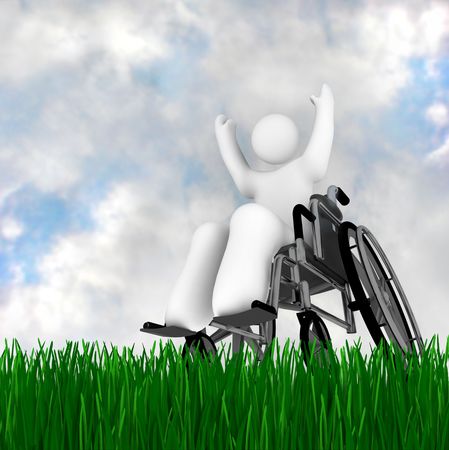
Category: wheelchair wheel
<point>203,342</point>
<point>313,331</point>
<point>377,291</point>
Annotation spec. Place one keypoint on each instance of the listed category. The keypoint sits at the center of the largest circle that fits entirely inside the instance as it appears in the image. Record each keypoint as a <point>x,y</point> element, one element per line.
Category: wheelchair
<point>345,257</point>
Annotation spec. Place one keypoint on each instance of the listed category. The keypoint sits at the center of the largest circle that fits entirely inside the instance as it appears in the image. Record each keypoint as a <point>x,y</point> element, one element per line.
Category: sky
<point>109,161</point>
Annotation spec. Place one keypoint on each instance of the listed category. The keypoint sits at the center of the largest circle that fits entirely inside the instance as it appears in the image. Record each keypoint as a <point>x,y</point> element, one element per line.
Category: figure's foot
<point>191,323</point>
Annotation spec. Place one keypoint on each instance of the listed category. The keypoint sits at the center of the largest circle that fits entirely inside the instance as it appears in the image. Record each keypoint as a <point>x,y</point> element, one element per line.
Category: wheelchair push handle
<point>335,193</point>
<point>299,211</point>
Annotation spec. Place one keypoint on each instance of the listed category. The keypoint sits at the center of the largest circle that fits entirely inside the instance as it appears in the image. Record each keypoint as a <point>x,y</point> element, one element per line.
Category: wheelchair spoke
<point>313,336</point>
<point>383,290</point>
<point>313,340</point>
<point>386,297</point>
<point>378,314</point>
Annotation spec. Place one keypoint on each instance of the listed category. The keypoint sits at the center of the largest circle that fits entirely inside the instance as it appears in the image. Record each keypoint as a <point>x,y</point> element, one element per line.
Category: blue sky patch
<point>44,217</point>
<point>404,125</point>
<point>22,108</point>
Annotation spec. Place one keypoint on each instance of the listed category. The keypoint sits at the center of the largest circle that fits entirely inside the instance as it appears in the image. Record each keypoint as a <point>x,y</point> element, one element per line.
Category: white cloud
<point>438,114</point>
<point>439,156</point>
<point>57,36</point>
<point>433,28</point>
<point>363,53</point>
<point>10,228</point>
<point>80,128</point>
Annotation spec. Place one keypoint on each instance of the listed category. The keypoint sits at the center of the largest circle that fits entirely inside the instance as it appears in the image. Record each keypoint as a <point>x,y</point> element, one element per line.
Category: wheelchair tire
<point>382,308</point>
<point>206,346</point>
<point>312,327</point>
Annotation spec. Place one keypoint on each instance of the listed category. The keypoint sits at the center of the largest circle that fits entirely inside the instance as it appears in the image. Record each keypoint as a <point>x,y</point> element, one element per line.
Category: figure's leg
<point>256,234</point>
<point>190,304</point>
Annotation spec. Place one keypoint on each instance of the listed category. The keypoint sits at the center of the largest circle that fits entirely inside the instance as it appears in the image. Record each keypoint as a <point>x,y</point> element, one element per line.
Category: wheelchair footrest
<point>163,330</point>
<point>260,312</point>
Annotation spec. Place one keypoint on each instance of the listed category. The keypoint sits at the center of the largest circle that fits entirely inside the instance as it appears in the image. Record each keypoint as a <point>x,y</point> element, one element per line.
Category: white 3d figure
<point>228,266</point>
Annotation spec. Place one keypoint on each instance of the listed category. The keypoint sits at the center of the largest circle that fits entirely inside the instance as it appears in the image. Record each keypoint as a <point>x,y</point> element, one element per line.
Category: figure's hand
<point>326,96</point>
<point>224,126</point>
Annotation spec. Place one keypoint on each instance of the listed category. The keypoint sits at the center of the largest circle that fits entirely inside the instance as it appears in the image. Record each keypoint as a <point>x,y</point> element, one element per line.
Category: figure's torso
<point>280,190</point>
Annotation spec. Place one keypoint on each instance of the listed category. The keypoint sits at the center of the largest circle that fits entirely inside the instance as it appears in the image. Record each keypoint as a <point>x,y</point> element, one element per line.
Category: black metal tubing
<point>361,303</point>
<point>299,211</point>
<point>342,197</point>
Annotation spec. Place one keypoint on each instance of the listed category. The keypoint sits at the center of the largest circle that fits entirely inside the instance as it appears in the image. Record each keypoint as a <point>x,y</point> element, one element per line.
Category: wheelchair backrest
<point>327,225</point>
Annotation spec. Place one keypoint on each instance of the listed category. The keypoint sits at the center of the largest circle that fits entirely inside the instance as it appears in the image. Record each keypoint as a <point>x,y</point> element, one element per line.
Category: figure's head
<point>275,139</point>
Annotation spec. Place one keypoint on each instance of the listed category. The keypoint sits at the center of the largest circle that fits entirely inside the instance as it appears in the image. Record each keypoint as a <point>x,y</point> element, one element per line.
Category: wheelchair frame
<point>310,274</point>
<point>294,260</point>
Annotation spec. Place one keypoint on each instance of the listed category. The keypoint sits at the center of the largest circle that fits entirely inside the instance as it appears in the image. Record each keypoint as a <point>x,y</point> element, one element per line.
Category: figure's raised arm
<point>233,157</point>
<point>318,150</point>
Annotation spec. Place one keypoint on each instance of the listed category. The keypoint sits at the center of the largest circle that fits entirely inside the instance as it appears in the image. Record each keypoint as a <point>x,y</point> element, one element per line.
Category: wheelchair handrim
<point>367,243</point>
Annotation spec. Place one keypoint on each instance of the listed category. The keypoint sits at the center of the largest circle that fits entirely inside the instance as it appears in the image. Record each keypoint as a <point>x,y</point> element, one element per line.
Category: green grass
<point>94,399</point>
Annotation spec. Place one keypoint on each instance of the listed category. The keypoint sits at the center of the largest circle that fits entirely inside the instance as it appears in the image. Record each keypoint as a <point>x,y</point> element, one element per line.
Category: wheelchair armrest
<point>299,211</point>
